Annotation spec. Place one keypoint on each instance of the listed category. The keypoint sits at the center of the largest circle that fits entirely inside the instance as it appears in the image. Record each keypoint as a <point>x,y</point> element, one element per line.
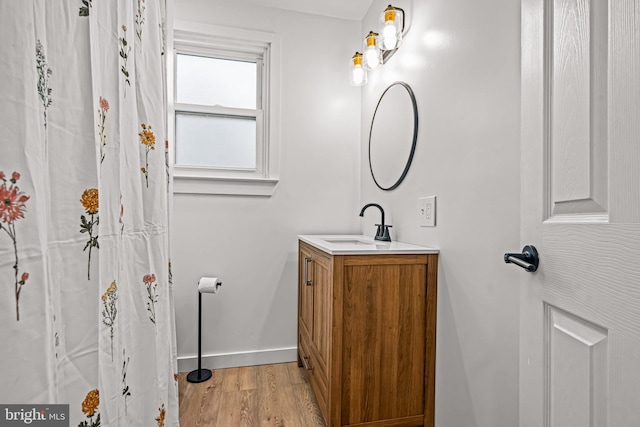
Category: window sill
<point>264,187</point>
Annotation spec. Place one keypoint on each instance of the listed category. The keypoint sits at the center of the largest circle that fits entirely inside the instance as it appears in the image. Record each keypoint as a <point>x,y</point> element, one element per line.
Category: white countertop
<point>344,244</point>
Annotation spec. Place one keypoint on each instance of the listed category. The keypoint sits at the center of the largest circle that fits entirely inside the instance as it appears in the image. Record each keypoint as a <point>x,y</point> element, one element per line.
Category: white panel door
<point>580,312</point>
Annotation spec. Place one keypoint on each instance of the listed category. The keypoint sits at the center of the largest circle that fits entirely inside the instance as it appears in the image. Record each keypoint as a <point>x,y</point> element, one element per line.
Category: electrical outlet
<point>427,211</point>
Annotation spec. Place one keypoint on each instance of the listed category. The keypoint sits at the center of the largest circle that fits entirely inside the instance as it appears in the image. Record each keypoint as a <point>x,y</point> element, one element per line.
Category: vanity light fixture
<point>372,55</point>
<point>357,72</point>
<point>391,27</point>
<point>378,47</point>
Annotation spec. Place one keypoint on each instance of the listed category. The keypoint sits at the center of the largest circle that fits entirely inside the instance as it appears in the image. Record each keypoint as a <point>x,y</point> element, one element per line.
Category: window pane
<point>203,140</point>
<point>213,81</point>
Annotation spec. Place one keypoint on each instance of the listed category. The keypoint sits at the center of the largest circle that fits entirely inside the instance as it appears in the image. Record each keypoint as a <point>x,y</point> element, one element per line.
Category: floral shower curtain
<point>86,303</point>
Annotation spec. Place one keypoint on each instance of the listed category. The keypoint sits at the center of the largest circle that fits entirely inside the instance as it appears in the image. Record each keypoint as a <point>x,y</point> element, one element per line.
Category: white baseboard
<point>244,358</point>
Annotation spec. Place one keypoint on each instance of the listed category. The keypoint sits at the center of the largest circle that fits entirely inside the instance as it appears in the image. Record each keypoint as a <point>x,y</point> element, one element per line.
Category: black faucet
<point>383,230</point>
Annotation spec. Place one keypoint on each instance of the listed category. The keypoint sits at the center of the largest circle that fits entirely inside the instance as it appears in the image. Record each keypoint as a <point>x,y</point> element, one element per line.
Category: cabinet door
<point>321,333</point>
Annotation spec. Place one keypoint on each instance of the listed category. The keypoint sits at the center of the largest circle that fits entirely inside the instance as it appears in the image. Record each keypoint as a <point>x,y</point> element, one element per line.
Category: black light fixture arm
<point>403,17</point>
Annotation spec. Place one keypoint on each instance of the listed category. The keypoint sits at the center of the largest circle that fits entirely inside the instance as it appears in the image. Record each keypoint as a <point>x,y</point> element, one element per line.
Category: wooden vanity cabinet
<point>366,336</point>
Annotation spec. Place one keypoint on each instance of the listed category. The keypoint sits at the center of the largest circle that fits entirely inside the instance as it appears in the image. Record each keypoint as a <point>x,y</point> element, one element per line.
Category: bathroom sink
<point>361,245</point>
<point>347,242</point>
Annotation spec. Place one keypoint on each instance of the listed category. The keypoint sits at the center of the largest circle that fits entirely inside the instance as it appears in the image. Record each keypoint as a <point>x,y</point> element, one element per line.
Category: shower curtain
<point>86,303</point>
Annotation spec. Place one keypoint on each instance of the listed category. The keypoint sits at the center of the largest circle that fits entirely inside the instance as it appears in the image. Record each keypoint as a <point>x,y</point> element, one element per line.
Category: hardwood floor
<point>253,396</point>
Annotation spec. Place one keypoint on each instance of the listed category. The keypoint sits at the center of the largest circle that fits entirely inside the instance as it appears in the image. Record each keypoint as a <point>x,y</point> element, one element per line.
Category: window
<point>217,108</point>
<point>224,113</point>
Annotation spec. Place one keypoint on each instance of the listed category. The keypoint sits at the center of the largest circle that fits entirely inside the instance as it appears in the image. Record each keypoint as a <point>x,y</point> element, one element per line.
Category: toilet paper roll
<point>209,285</point>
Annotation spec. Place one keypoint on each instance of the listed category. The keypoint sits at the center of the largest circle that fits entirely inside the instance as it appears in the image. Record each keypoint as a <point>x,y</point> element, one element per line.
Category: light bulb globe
<point>371,57</point>
<point>389,37</point>
<point>357,75</point>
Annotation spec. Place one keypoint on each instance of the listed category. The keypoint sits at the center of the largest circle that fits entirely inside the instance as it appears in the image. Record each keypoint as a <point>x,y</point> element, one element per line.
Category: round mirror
<point>393,135</point>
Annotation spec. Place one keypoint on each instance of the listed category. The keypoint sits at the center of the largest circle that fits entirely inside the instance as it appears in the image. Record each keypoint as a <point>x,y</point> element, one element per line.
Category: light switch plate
<point>427,211</point>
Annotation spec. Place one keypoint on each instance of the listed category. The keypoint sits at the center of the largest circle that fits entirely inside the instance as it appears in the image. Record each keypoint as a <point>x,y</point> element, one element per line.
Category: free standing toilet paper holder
<point>200,375</point>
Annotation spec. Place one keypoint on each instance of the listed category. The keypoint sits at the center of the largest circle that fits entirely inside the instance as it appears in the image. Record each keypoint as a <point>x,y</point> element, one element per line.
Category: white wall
<point>250,242</point>
<point>462,60</point>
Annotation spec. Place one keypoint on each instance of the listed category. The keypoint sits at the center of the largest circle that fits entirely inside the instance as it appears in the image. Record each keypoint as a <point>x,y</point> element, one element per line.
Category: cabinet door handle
<point>307,282</point>
<point>305,362</point>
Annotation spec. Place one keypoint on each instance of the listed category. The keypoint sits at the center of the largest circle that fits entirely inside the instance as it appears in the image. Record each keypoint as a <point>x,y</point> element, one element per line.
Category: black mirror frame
<point>415,135</point>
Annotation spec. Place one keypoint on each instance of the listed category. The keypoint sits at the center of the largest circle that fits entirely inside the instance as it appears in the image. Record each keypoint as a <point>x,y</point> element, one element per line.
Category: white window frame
<point>231,43</point>
<point>256,114</point>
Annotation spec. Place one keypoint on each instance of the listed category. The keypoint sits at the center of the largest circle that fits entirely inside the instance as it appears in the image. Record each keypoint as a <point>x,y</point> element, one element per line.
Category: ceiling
<point>347,9</point>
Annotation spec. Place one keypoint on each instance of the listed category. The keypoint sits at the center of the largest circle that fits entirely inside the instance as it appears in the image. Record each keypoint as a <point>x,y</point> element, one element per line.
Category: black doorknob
<point>528,259</point>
